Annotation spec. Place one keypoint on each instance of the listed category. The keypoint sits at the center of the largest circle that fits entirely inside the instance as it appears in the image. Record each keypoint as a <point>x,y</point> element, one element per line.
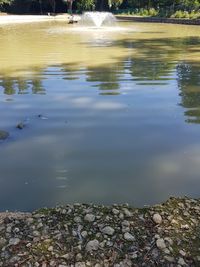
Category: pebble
<point>127,212</point>
<point>129,237</point>
<point>84,234</point>
<point>157,218</point>
<point>183,253</point>
<point>89,217</point>
<point>181,262</point>
<point>160,243</point>
<point>3,135</point>
<point>20,125</point>
<point>80,264</point>
<point>14,241</point>
<point>108,230</point>
<point>92,245</point>
<point>169,258</point>
<point>115,211</point>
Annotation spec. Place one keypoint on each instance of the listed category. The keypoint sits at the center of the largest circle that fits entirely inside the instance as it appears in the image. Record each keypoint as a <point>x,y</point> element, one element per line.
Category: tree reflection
<point>188,79</point>
<point>23,85</point>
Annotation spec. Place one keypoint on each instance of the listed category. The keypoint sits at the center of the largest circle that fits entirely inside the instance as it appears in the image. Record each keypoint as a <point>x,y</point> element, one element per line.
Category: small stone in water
<point>3,135</point>
<point>20,125</point>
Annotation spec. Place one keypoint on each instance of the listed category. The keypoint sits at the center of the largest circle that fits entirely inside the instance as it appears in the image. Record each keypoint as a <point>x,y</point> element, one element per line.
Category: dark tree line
<point>60,6</point>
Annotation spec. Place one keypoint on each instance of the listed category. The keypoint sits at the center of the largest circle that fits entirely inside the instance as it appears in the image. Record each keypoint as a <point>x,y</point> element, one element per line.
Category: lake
<point>110,116</point>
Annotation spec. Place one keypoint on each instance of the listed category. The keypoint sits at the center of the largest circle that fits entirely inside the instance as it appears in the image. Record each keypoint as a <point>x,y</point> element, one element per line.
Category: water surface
<point>110,116</point>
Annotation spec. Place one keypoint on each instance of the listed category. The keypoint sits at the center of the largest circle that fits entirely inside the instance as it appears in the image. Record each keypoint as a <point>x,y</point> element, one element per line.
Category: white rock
<point>160,243</point>
<point>157,218</point>
<point>36,233</point>
<point>182,252</point>
<point>181,261</point>
<point>80,264</point>
<point>108,230</point>
<point>84,234</point>
<point>79,257</point>
<point>89,217</point>
<point>198,258</point>
<point>50,248</point>
<point>115,211</point>
<point>40,225</point>
<point>14,241</point>
<point>77,219</point>
<point>129,237</point>
<point>92,245</point>
<point>169,258</point>
<point>127,212</point>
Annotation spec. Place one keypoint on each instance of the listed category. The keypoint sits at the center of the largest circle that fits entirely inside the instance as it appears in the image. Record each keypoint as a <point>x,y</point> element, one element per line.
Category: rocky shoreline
<point>83,235</point>
<point>158,20</point>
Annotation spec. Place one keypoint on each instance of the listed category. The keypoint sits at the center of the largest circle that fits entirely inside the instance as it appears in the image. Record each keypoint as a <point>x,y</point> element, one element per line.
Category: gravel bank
<point>83,235</point>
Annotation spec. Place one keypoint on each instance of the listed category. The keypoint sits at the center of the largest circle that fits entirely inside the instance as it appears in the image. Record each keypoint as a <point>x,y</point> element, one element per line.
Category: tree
<point>86,4</point>
<point>4,3</point>
<point>8,2</point>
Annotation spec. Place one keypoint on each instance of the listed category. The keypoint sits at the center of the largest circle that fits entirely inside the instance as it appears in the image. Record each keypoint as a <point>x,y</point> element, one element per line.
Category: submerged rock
<point>20,125</point>
<point>3,135</point>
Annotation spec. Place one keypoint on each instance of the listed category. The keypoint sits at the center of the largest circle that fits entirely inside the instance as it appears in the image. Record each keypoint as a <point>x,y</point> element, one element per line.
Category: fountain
<point>97,19</point>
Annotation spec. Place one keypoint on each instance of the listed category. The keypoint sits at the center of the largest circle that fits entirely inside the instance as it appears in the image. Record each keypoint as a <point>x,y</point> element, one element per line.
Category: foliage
<point>114,4</point>
<point>139,12</point>
<point>186,15</point>
<point>162,8</point>
<point>85,4</point>
<point>2,2</point>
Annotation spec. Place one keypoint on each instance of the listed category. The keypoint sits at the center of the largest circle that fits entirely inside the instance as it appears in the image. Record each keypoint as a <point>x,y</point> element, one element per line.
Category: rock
<point>50,248</point>
<point>92,245</point>
<point>108,230</point>
<point>129,237</point>
<point>30,220</point>
<point>36,233</point>
<point>127,212</point>
<point>157,218</point>
<point>181,262</point>
<point>79,257</point>
<point>169,258</point>
<point>160,243</point>
<point>20,125</point>
<point>14,259</point>
<point>77,219</point>
<point>40,225</point>
<point>2,242</point>
<point>14,241</point>
<point>66,256</point>
<point>182,252</point>
<point>89,217</point>
<point>3,135</point>
<point>115,211</point>
<point>84,234</point>
<point>80,264</point>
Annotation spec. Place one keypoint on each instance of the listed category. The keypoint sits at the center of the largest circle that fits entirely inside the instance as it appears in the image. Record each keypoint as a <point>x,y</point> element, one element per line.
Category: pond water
<point>111,116</point>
